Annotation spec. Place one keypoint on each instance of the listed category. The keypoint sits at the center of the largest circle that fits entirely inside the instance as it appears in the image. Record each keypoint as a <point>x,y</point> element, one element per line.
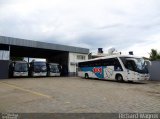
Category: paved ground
<point>77,95</point>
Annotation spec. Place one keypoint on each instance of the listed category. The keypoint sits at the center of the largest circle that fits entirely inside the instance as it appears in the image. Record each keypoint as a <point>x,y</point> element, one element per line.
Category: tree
<point>154,55</point>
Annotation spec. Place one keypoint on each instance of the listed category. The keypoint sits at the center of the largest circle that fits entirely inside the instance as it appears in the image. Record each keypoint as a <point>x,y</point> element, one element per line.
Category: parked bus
<point>18,69</point>
<point>121,68</point>
<point>53,69</point>
<point>38,68</point>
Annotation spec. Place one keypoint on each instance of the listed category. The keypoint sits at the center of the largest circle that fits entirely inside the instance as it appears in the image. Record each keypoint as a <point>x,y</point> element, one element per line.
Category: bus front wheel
<point>86,76</point>
<point>119,77</point>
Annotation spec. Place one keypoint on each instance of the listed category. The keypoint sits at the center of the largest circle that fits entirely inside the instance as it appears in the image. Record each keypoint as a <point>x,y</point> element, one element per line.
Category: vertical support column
<point>28,59</point>
<point>9,52</point>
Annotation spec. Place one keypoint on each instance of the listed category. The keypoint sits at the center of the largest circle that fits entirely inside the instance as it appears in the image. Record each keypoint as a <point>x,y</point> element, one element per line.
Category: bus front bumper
<point>54,74</point>
<point>40,74</point>
<point>20,74</point>
<point>144,77</point>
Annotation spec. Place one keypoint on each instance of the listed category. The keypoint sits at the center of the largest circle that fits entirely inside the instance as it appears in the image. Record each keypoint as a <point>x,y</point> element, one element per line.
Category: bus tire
<point>119,78</point>
<point>86,76</point>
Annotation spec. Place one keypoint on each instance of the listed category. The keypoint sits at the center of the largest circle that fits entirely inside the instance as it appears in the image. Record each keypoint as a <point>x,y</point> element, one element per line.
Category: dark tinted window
<point>117,65</point>
<point>123,59</point>
<point>108,62</point>
<point>116,62</point>
<point>82,64</point>
<point>90,63</point>
<point>112,62</point>
<point>131,65</point>
<point>98,63</point>
<point>101,62</point>
<point>21,67</point>
<point>38,66</point>
<point>54,68</point>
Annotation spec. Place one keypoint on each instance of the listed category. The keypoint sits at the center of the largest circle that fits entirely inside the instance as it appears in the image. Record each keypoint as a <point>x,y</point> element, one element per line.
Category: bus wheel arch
<point>119,77</point>
<point>86,76</point>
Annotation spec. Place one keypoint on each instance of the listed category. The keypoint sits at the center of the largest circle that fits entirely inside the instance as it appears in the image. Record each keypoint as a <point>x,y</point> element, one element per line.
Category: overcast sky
<point>123,24</point>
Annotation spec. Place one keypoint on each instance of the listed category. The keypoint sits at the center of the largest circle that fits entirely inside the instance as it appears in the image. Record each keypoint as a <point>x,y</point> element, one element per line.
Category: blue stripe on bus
<point>93,69</point>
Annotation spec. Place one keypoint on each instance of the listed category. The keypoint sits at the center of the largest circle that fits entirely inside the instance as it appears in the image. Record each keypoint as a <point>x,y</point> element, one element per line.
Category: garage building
<point>67,56</point>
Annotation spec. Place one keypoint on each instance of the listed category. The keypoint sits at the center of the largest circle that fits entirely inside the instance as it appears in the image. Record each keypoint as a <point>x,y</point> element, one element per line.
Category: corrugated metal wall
<point>4,55</point>
<point>154,70</point>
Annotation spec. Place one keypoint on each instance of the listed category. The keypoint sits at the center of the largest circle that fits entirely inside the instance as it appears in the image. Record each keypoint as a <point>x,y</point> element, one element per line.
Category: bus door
<point>131,69</point>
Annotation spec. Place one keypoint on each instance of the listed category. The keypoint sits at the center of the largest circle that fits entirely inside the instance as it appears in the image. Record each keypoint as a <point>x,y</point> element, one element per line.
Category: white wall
<point>73,60</point>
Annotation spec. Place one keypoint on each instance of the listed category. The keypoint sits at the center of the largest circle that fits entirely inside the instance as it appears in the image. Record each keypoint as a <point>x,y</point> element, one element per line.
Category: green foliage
<point>154,55</point>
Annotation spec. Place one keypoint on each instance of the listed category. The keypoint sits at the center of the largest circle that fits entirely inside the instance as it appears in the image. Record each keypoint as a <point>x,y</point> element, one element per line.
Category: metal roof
<point>41,45</point>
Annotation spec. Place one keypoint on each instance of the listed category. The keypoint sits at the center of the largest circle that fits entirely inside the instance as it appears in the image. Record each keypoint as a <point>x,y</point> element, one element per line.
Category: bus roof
<point>111,56</point>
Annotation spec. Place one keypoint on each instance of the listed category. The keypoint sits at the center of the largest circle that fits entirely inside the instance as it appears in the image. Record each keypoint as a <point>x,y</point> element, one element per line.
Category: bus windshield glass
<point>54,68</point>
<point>140,63</point>
<point>21,67</point>
<point>135,64</point>
<point>40,67</point>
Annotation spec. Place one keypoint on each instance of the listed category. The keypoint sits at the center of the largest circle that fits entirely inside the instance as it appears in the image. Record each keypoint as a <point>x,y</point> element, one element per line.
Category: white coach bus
<point>53,69</point>
<point>18,69</point>
<point>114,67</point>
<point>38,68</point>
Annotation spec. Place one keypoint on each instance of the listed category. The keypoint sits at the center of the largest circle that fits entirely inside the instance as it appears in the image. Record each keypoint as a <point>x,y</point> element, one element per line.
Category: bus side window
<point>130,65</point>
<point>90,64</point>
<point>85,64</point>
<point>97,63</point>
<point>82,64</point>
<point>108,62</point>
<point>79,64</point>
<point>111,62</point>
<point>117,65</point>
<point>104,62</point>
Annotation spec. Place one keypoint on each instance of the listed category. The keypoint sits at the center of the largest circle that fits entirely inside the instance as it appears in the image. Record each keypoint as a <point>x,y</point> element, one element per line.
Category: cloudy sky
<point>123,24</point>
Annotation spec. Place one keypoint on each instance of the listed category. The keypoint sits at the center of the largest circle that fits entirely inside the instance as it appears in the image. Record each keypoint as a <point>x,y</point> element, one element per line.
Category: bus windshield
<point>135,64</point>
<point>141,65</point>
<point>39,66</point>
<point>54,68</point>
<point>21,67</point>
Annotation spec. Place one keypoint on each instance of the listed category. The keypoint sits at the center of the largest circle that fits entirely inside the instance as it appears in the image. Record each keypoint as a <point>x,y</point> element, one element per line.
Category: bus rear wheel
<point>119,78</point>
<point>86,76</point>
